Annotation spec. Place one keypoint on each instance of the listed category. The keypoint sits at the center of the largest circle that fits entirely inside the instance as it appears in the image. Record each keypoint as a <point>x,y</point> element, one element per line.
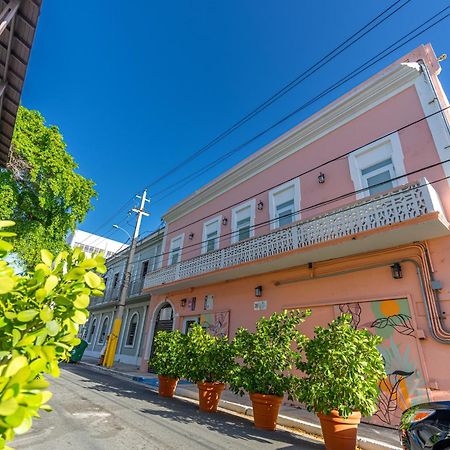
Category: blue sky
<point>135,87</point>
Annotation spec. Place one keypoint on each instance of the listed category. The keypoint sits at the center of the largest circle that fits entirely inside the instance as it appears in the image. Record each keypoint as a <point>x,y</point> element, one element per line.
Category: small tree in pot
<point>266,358</point>
<point>343,369</point>
<point>209,363</point>
<point>168,360</point>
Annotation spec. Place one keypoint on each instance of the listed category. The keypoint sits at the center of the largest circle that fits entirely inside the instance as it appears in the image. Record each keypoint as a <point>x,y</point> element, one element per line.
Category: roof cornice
<point>359,100</point>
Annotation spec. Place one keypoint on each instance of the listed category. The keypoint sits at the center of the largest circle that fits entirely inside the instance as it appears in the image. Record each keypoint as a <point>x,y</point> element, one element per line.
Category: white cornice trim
<point>346,108</point>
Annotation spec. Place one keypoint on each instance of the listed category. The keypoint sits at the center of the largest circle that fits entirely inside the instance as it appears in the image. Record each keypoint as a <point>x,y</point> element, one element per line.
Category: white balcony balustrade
<point>399,205</point>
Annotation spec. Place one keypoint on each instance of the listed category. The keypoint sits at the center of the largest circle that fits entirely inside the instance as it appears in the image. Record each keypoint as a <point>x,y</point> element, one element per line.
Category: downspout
<point>429,296</point>
<point>427,74</point>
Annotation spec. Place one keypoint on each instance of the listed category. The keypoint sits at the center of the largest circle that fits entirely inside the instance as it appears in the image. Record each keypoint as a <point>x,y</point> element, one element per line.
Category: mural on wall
<point>217,323</point>
<point>404,384</point>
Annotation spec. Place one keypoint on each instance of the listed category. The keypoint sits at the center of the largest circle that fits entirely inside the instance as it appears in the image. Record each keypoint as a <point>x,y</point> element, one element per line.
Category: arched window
<point>92,330</point>
<point>103,331</point>
<point>132,327</point>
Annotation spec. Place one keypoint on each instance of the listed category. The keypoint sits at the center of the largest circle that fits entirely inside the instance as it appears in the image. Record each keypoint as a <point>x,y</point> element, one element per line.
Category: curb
<point>183,394</point>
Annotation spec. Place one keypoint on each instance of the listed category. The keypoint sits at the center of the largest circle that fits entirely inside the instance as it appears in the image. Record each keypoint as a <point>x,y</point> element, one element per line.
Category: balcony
<point>338,233</point>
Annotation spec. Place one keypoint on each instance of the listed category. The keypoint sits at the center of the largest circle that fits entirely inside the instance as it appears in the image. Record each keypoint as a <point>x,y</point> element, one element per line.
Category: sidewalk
<point>370,437</point>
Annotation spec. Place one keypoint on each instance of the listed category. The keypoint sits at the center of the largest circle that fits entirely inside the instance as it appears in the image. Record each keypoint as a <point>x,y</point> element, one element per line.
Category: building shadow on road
<point>186,412</point>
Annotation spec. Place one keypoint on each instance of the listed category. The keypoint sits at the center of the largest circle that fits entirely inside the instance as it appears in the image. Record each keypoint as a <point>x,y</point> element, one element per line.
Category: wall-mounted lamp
<point>258,291</point>
<point>396,270</point>
<point>321,178</point>
<point>224,221</point>
<point>191,236</point>
<point>260,205</point>
<point>183,302</point>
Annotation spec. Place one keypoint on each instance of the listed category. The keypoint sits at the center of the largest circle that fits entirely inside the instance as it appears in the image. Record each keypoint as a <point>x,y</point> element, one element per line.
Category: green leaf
<point>6,223</point>
<point>6,284</point>
<point>27,316</point>
<point>51,283</point>
<point>47,257</point>
<point>46,314</point>
<point>8,407</point>
<point>53,327</point>
<point>82,301</point>
<point>92,280</point>
<point>16,363</point>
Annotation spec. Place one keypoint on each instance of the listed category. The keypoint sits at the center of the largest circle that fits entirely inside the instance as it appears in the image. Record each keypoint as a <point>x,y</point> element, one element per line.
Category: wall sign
<point>260,305</point>
<point>209,302</point>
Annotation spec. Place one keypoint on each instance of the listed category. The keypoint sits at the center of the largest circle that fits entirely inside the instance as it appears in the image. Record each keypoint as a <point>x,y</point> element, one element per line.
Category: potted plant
<point>343,369</point>
<point>168,360</point>
<point>209,363</point>
<point>266,357</point>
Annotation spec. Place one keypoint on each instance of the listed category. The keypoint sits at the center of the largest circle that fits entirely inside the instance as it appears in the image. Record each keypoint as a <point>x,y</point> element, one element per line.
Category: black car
<point>426,426</point>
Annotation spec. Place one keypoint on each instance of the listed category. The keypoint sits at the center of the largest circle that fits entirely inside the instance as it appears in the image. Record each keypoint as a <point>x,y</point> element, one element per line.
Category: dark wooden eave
<point>18,20</point>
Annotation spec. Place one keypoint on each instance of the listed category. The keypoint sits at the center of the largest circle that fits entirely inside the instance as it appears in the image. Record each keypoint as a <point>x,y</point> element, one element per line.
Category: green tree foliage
<point>269,354</point>
<point>40,190</point>
<point>343,368</point>
<point>169,356</point>
<point>40,314</point>
<point>208,358</point>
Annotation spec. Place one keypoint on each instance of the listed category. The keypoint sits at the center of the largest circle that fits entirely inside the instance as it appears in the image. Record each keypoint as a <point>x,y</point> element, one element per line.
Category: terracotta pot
<point>209,395</point>
<point>265,410</point>
<point>339,433</point>
<point>167,386</point>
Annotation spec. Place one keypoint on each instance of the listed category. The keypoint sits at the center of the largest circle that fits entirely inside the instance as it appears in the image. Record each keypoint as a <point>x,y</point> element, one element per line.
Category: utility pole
<point>111,347</point>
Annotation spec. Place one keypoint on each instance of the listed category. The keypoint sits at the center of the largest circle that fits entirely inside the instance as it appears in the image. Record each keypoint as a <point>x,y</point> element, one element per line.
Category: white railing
<point>396,206</point>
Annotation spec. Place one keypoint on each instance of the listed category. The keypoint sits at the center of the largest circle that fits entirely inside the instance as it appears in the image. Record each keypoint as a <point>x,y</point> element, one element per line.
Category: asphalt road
<point>95,411</point>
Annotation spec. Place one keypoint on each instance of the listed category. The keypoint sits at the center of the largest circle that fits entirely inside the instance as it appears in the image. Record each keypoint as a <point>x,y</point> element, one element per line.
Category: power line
<point>191,248</point>
<point>372,61</point>
<point>315,168</point>
<point>347,43</point>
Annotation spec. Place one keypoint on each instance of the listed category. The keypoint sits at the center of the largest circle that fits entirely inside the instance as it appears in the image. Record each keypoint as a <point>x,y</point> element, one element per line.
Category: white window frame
<point>273,206</point>
<point>105,319</point>
<point>172,241</point>
<point>91,333</point>
<point>188,319</point>
<point>135,332</point>
<point>218,221</point>
<point>234,213</point>
<point>369,156</point>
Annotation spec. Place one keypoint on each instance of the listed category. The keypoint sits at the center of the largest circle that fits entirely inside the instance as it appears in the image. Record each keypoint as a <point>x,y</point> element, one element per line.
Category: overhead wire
<point>311,169</point>
<point>369,63</point>
<point>351,40</point>
<point>347,43</point>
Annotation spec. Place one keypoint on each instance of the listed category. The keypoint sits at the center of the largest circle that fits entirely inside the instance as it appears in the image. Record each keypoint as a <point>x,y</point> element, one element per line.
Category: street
<point>95,411</point>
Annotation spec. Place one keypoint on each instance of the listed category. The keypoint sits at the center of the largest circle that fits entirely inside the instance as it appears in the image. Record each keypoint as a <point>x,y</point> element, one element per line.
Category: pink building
<point>346,212</point>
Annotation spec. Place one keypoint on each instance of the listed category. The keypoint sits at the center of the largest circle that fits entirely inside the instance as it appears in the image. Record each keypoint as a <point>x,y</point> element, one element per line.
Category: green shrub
<point>343,368</point>
<point>40,314</point>
<point>208,358</point>
<point>169,355</point>
<point>269,354</point>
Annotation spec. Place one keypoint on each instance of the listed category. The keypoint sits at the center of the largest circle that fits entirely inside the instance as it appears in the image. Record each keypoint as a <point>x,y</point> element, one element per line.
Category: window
<point>284,204</point>
<point>92,330</point>
<point>176,245</point>
<point>373,167</point>
<point>378,177</point>
<point>211,234</point>
<point>144,269</point>
<point>243,222</point>
<point>155,257</point>
<point>103,331</point>
<point>188,322</point>
<point>132,327</point>
<point>115,280</point>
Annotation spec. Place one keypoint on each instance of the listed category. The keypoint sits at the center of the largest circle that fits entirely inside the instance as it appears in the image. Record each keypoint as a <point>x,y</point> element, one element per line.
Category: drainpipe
<point>429,297</point>
<point>427,75</point>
